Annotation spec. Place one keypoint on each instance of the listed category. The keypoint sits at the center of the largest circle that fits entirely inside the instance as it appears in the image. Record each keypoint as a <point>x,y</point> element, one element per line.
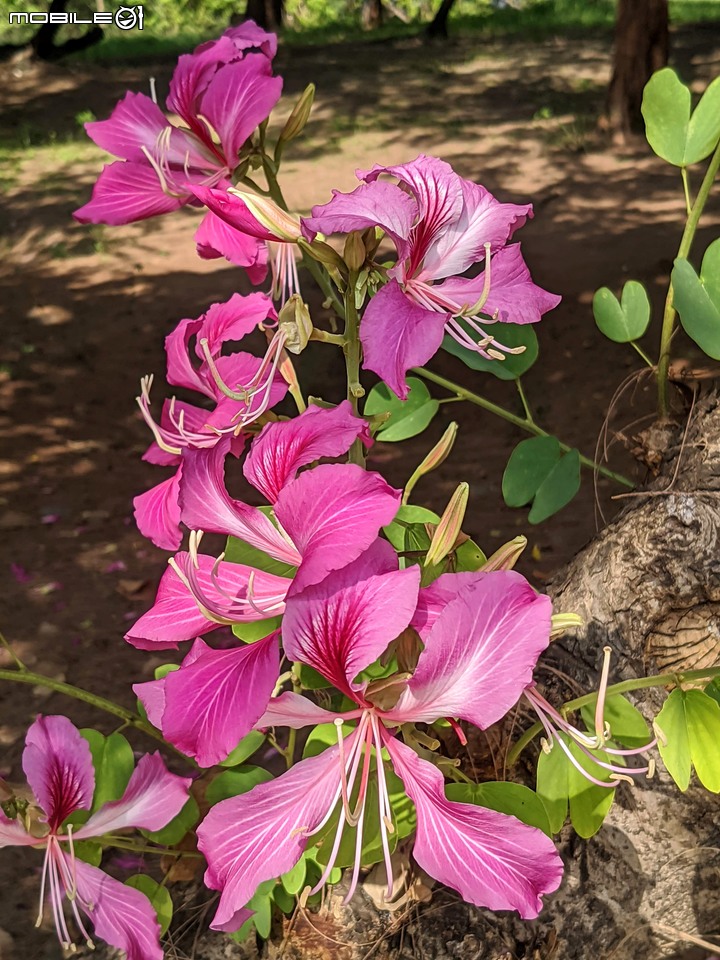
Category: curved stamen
<point>386,824</point>
<point>602,727</point>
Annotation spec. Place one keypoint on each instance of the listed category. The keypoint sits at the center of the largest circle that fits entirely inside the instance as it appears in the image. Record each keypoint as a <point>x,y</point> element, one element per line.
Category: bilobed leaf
<point>627,724</point>
<point>261,920</point>
<point>246,748</point>
<point>625,320</point>
<point>468,557</point>
<point>510,334</point>
<point>256,629</point>
<point>552,787</point>
<point>158,896</point>
<point>713,689</point>
<point>311,679</point>
<point>505,797</point>
<point>702,715</point>
<point>174,831</point>
<point>238,551</point>
<point>283,899</point>
<point>232,783</point>
<point>113,761</point>
<point>407,531</point>
<point>557,489</point>
<point>294,880</point>
<point>704,127</point>
<point>673,742</point>
<point>666,109</point>
<point>529,465</point>
<point>89,851</point>
<point>562,789</point>
<point>699,312</point>
<point>407,417</point>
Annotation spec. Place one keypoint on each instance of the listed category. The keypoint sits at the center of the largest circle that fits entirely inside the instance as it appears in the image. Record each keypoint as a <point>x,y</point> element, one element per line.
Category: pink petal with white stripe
<point>151,693</point>
<point>127,191</point>
<point>14,834</point>
<point>281,448</point>
<point>58,767</point>
<point>292,710</point>
<point>157,513</point>
<point>490,858</point>
<point>215,239</point>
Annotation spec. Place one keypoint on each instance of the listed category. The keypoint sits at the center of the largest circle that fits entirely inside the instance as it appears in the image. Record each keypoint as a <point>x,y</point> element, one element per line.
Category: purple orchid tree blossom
<point>222,92</point>
<point>326,517</point>
<point>478,657</point>
<point>183,425</point>
<point>441,226</point>
<point>58,766</point>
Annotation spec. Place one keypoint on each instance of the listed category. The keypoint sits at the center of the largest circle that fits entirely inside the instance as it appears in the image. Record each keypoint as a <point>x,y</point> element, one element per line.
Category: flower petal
<point>122,916</point>
<point>233,319</point>
<point>262,834</point>
<point>58,767</point>
<point>433,599</point>
<point>490,858</point>
<point>173,617</point>
<point>211,704</point>
<point>292,710</point>
<point>157,513</point>
<point>480,654</point>
<point>151,693</point>
<point>332,514</point>
<point>125,192</point>
<point>215,239</point>
<point>152,798</point>
<point>397,334</point>
<point>238,98</point>
<point>344,623</point>
<point>232,210</point>
<point>14,834</point>
<point>281,448</point>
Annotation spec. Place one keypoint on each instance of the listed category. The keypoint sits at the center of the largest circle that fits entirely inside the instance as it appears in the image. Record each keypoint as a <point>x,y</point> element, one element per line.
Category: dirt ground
<point>85,311</point>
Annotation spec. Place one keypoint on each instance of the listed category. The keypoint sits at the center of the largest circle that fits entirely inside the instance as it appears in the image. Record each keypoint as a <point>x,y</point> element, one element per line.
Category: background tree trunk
<point>372,14</point>
<point>268,14</point>
<point>438,26</point>
<point>641,48</point>
<point>43,43</point>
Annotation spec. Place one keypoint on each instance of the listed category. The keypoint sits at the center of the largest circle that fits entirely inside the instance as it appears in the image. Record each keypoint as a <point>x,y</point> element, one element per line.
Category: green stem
<point>525,424</point>
<point>40,680</point>
<point>351,349</point>
<point>523,399</point>
<point>625,686</point>
<point>668,322</point>
<point>642,353</point>
<point>126,843</point>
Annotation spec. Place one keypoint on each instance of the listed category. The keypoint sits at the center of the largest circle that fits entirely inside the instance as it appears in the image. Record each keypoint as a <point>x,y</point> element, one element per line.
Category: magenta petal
<point>433,599</point>
<point>379,204</point>
<point>480,654</point>
<point>343,624</point>
<point>122,916</point>
<point>283,447</point>
<point>233,319</point>
<point>157,513</point>
<point>214,239</point>
<point>173,617</point>
<point>213,703</point>
<point>332,514</point>
<point>513,295</point>
<point>233,211</point>
<point>58,767</point>
<point>398,334</point>
<point>152,798</point>
<point>180,371</point>
<point>125,192</point>
<point>205,504</point>
<point>262,834</point>
<point>292,710</point>
<point>238,98</point>
<point>491,859</point>
<point>151,693</point>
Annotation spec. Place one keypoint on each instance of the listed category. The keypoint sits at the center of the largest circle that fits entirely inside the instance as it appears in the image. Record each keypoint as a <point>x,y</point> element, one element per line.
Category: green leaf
<point>704,127</point>
<point>261,920</point>
<point>311,679</point>
<point>469,557</point>
<point>237,551</point>
<point>562,788</point>
<point>713,689</point>
<point>89,851</point>
<point>322,737</point>
<point>697,300</point>
<point>505,797</point>
<point>294,880</point>
<point>627,724</point>
<point>558,488</point>
<point>690,723</point>
<point>407,417</point>
<point>622,321</point>
<point>256,629</point>
<point>282,898</point>
<point>510,334</point>
<point>158,896</point>
<point>673,743</point>
<point>113,761</point>
<point>178,826</point>
<point>666,109</point>
<point>407,531</point>
<point>164,669</point>
<point>249,745</point>
<point>551,784</point>
<point>232,783</point>
<point>530,463</point>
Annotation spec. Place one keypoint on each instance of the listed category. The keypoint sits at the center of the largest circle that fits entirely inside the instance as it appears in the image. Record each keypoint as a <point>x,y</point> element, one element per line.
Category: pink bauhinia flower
<point>441,225</point>
<point>222,92</point>
<point>478,657</point>
<point>257,384</point>
<point>58,766</point>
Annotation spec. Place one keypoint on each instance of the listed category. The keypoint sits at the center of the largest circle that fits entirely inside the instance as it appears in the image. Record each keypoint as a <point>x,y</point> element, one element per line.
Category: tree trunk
<point>438,26</point>
<point>268,14</point>
<point>641,48</point>
<point>43,43</point>
<point>372,14</point>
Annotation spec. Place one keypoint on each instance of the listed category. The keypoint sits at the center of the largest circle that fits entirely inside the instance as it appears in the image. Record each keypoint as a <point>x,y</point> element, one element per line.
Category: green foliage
<point>407,418</point>
<point>256,629</point>
<point>261,920</point>
<point>674,132</point>
<point>246,748</point>
<point>512,798</point>
<point>627,724</point>
<point>697,299</point>
<point>510,334</point>
<point>538,471</point>
<point>159,897</point>
<point>688,728</point>
<point>238,551</point>
<point>232,783</point>
<point>408,534</point>
<point>180,825</point>
<point>113,762</point>
<point>622,320</point>
<point>562,788</point>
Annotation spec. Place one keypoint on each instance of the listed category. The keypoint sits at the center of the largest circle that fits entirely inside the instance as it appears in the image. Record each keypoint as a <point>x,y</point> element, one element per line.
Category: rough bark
<point>641,47</point>
<point>372,14</point>
<point>438,27</point>
<point>649,587</point>
<point>268,14</point>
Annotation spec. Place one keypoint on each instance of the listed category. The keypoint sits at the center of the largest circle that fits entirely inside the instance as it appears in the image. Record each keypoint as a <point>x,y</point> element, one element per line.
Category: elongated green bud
<point>437,455</point>
<point>561,622</point>
<point>322,252</point>
<point>506,556</point>
<point>449,528</point>
<point>354,251</point>
<point>300,115</point>
<point>294,321</point>
<point>275,220</point>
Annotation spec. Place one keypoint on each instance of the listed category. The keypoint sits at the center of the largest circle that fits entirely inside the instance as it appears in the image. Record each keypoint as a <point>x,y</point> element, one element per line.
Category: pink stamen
<point>386,824</point>
<point>459,732</point>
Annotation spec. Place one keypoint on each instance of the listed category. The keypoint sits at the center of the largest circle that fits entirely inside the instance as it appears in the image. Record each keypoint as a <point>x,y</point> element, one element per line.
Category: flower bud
<point>294,321</point>
<point>560,622</point>
<point>270,215</point>
<point>300,115</point>
<point>449,528</point>
<point>322,252</point>
<point>437,455</point>
<point>506,556</point>
<point>354,252</point>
